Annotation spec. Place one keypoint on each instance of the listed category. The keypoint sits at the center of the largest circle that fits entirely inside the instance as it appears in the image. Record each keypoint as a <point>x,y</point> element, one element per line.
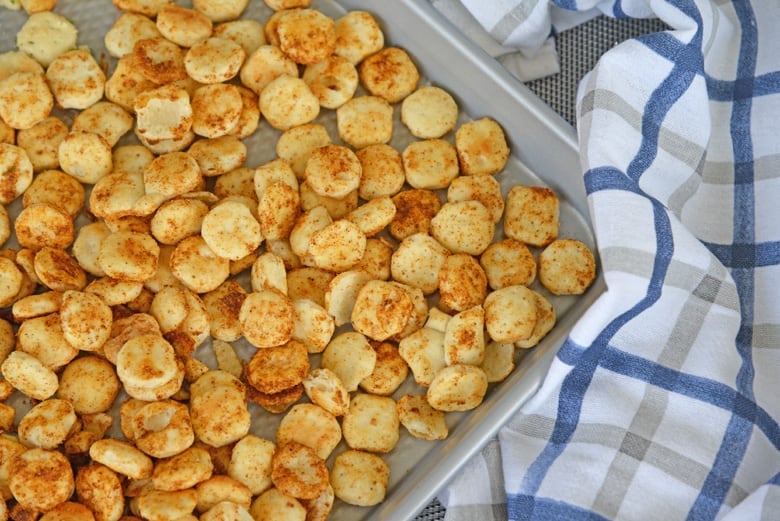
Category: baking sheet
<point>543,152</point>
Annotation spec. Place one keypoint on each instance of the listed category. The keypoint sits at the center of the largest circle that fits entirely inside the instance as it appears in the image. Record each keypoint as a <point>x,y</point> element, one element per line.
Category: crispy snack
<point>333,80</point>
<point>223,305</point>
<point>177,219</point>
<point>25,99</point>
<point>182,471</point>
<point>107,119</point>
<point>129,256</point>
<point>274,369</point>
<point>277,210</point>
<point>46,35</point>
<point>183,26</point>
<point>325,388</point>
<point>264,65</point>
<point>273,504</point>
<point>287,101</point>
<point>76,79</point>
<point>29,375</point>
<point>196,265</point>
<point>417,262</point>
<point>499,361</point>
<point>423,351</point>
<point>85,319</point>
<point>350,357</point>
<point>333,171</point>
<point>545,321</point>
<point>531,215</point>
<point>463,227</point>
<point>247,33</point>
<point>122,457</point>
<point>507,263</point>
<point>42,141</point>
<point>371,423</point>
<point>99,488</point>
<point>510,314</point>
<point>312,325</point>
<point>127,29</point>
<point>250,463</point>
<point>308,283</point>
<point>429,112</point>
<point>158,504</point>
<point>42,337</point>
<point>420,419</point>
<point>297,471</point>
<point>146,361</point>
<point>47,424</point>
<point>567,267</point>
<point>373,216</point>
<point>383,171</point>
<point>382,310</point>
<point>338,246</point>
<point>164,113</point>
<point>276,403</point>
<point>360,478</point>
<point>358,35</point>
<point>464,338</point>
<point>458,387</point>
<point>16,171</point>
<point>219,155</point>
<point>218,409</point>
<point>306,35</point>
<point>127,82</point>
<point>266,318</point>
<point>42,224</point>
<point>462,282</point>
<point>414,211</point>
<point>214,60</point>
<point>41,479</point>
<point>482,147</point>
<point>219,488</point>
<point>159,60</point>
<point>364,121</point>
<point>220,10</point>
<point>310,425</point>
<point>390,74</point>
<point>430,164</point>
<point>231,231</point>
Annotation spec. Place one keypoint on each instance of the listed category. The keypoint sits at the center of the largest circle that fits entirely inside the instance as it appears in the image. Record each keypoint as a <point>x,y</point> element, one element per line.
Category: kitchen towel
<point>663,402</point>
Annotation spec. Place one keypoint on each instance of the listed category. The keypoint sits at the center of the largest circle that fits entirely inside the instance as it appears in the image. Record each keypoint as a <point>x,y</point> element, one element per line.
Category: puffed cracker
<point>247,33</point>
<point>196,265</point>
<point>464,338</point>
<point>567,267</point>
<point>482,188</point>
<point>239,181</point>
<point>337,207</point>
<point>365,120</point>
<point>223,305</point>
<point>532,215</point>
<point>163,113</point>
<point>383,171</point>
<point>17,61</point>
<point>420,419</point>
<point>390,370</point>
<point>40,479</point>
<point>25,99</point>
<point>287,101</point>
<point>297,143</point>
<point>129,256</point>
<point>85,155</point>
<point>419,310</point>
<point>122,457</point>
<point>231,231</point>
<point>430,164</point>
<point>351,357</point>
<point>376,258</point>
<point>86,320</point>
<point>338,246</point>
<point>227,358</point>
<point>274,369</point>
<point>360,478</point>
<point>47,424</point>
<point>75,79</point>
<point>306,35</point>
<point>510,314</point>
<point>218,155</point>
<point>482,147</point>
<point>176,219</point>
<point>269,272</point>
<point>7,133</point>
<point>159,60</point>
<point>423,351</point>
<point>342,293</point>
<point>16,172</point>
<point>312,325</point>
<point>159,504</point>
<point>216,109</point>
<point>115,292</point>
<point>264,65</point>
<point>29,375</point>
<point>417,262</point>
<point>126,82</point>
<point>333,80</point>
<point>145,7</point>
<point>389,73</point>
<point>277,210</point>
<point>46,35</point>
<point>358,35</point>
<point>108,119</point>
<point>297,471</point>
<point>218,409</point>
<point>183,26</point>
<point>458,387</point>
<point>373,216</point>
<point>250,463</point>
<point>146,361</point>
<point>220,10</point>
<point>429,112</point>
<point>325,388</point>
<point>273,504</point>
<point>414,211</point>
<point>99,488</point>
<point>463,227</point>
<point>170,308</point>
<point>127,29</point>
<point>498,362</point>
<point>219,488</point>
<point>545,321</point>
<point>309,283</point>
<point>312,426</point>
<point>182,471</point>
<point>266,318</point>
<point>508,262</point>
<point>42,141</point>
<point>382,309</point>
<point>462,282</point>
<point>34,305</point>
<point>249,119</point>
<point>371,423</point>
<point>43,338</point>
<point>42,224</point>
<point>57,270</point>
<point>90,384</point>
<point>164,146</point>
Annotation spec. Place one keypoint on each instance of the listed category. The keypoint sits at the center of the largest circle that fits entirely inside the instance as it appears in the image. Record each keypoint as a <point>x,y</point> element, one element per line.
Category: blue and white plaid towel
<point>664,402</point>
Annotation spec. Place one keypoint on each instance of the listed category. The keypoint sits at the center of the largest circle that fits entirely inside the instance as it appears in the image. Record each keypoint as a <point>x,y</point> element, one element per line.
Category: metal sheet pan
<point>544,151</point>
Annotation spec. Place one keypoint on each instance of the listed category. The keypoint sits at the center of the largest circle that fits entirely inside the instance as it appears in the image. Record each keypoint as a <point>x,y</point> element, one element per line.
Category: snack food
<point>177,216</point>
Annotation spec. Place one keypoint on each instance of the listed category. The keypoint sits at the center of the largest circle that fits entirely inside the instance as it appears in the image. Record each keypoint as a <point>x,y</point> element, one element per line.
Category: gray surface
<point>578,49</point>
